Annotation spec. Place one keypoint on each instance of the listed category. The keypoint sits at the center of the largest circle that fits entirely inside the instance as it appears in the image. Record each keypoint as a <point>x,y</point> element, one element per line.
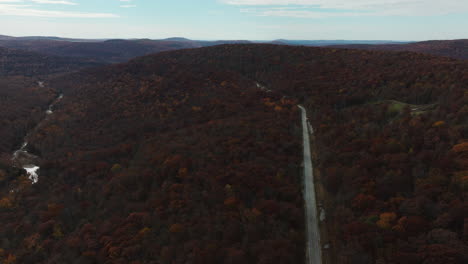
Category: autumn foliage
<point>179,157</point>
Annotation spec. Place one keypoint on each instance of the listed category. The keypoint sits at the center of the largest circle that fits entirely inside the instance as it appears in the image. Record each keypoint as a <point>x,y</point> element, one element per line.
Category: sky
<point>237,19</point>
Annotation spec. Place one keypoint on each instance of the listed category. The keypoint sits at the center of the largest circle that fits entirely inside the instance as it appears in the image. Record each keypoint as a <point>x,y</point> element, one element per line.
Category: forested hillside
<point>391,130</point>
<point>457,49</point>
<point>24,94</point>
<point>179,157</point>
<point>105,51</point>
<point>161,162</point>
<point>23,103</point>
<point>24,63</point>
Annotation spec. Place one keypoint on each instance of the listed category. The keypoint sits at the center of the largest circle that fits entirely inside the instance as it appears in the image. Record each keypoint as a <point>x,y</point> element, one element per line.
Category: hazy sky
<point>237,19</point>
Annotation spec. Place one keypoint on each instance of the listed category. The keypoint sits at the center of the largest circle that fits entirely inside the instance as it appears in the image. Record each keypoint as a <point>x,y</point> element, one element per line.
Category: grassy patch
<point>396,107</point>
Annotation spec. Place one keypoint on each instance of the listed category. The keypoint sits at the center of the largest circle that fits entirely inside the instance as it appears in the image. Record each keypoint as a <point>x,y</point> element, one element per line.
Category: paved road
<point>314,251</point>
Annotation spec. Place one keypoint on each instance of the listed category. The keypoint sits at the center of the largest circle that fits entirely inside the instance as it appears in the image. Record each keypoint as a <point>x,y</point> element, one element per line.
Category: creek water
<point>22,158</point>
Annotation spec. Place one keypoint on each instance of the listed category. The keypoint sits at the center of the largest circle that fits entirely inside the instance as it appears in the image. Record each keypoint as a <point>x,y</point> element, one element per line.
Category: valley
<point>22,158</point>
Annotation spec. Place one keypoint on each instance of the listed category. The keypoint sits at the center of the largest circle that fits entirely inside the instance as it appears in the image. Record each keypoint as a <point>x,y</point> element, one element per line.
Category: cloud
<point>55,2</point>
<point>278,12</point>
<point>339,4</point>
<point>335,8</point>
<point>26,10</point>
<point>128,5</point>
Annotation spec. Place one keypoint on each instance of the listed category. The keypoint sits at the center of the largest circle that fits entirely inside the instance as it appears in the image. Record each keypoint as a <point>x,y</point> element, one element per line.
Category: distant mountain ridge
<point>319,43</point>
<point>105,50</point>
<point>457,49</point>
<point>121,50</point>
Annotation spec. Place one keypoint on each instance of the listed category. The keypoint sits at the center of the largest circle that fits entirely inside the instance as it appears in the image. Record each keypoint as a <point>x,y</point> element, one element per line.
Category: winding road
<point>314,251</point>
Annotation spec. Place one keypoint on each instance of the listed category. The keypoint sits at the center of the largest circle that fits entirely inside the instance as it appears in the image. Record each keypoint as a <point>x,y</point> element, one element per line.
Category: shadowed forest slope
<point>23,103</point>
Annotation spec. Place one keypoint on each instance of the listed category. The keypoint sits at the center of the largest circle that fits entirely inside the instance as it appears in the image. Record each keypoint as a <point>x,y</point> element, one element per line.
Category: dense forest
<point>179,157</point>
<point>162,163</point>
<point>391,131</point>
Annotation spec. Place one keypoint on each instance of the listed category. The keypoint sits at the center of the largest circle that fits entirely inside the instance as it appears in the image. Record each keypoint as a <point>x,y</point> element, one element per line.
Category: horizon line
<point>211,39</point>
